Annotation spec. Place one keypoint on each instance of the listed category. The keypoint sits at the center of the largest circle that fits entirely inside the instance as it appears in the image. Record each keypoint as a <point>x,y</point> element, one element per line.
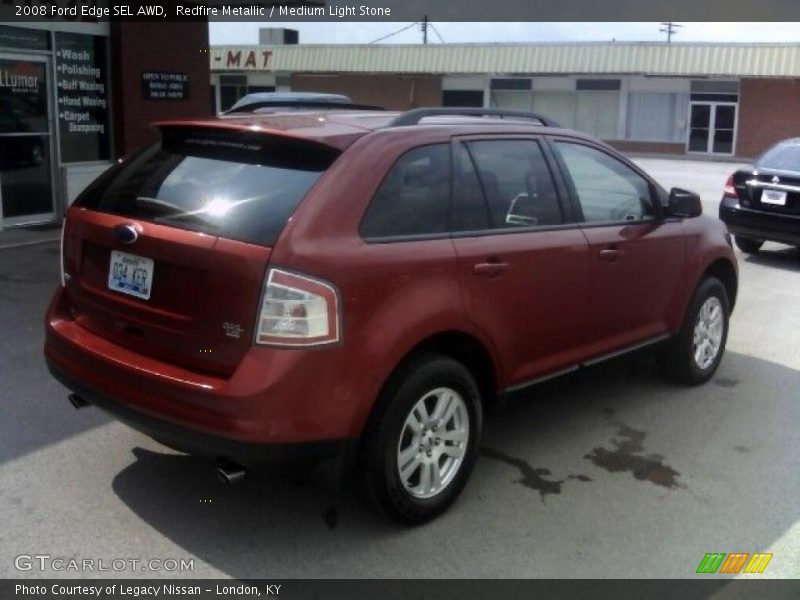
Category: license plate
<point>773,197</point>
<point>130,274</point>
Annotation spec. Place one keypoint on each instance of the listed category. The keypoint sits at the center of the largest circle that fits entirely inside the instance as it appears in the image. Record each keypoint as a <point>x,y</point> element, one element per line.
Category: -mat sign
<point>165,86</point>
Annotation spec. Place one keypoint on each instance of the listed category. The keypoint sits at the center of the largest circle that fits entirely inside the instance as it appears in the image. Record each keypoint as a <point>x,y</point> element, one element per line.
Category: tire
<point>433,382</point>
<point>684,361</point>
<point>748,245</point>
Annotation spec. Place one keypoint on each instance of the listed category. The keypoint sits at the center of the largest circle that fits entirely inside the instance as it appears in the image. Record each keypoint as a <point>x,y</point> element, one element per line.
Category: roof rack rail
<point>413,117</point>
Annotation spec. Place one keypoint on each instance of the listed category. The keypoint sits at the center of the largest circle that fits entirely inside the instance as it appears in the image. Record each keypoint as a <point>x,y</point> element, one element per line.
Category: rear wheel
<point>694,355</point>
<point>422,441</point>
<point>748,245</point>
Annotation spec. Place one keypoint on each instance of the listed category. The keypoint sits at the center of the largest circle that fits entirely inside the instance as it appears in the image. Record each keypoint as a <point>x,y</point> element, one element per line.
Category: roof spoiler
<point>413,117</point>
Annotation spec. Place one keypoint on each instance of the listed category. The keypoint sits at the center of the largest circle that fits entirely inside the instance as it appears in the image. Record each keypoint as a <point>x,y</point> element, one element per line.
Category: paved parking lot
<point>609,473</point>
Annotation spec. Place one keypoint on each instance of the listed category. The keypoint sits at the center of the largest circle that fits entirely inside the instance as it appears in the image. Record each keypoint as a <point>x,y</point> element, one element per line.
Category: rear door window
<point>243,188</point>
<point>504,184</point>
<point>414,197</point>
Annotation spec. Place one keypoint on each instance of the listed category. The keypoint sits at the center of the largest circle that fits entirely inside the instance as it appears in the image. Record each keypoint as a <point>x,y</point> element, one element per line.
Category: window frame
<point>657,193</point>
<point>411,237</point>
<point>562,192</point>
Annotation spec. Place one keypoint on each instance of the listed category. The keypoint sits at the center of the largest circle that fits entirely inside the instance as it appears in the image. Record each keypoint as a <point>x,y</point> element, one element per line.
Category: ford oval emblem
<point>126,233</point>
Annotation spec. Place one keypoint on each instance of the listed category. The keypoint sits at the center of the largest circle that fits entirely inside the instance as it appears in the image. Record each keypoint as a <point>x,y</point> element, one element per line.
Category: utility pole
<point>670,28</point>
<point>425,30</point>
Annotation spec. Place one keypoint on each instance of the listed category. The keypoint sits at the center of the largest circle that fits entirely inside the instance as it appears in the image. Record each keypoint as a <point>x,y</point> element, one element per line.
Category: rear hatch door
<point>166,253</point>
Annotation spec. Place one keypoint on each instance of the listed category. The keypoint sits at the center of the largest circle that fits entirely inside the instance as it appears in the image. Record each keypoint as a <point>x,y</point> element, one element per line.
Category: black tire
<point>377,462</point>
<point>748,245</point>
<point>677,358</point>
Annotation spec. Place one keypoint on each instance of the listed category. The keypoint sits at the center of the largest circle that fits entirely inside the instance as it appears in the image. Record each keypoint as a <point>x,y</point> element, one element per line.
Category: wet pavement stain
<point>532,478</point>
<point>742,449</point>
<point>627,457</point>
<point>726,382</point>
<point>580,477</point>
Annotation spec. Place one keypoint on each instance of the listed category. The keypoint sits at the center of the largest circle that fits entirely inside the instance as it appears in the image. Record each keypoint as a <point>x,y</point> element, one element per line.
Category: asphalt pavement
<point>609,473</point>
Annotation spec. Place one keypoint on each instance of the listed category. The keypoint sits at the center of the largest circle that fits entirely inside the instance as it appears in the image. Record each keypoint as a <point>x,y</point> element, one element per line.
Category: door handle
<point>610,254</point>
<point>490,269</point>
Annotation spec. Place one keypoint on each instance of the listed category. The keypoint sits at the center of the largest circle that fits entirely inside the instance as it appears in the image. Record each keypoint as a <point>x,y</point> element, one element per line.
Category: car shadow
<point>777,257</point>
<point>547,445</point>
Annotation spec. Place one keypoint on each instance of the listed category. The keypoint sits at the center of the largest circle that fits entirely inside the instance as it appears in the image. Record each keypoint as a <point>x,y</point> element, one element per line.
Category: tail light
<point>297,310</point>
<point>63,273</point>
<point>729,190</point>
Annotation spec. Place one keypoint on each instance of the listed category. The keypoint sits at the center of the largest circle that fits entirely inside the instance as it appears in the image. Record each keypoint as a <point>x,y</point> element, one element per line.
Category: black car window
<point>470,211</point>
<point>413,198</point>
<point>782,157</point>
<point>231,187</point>
<point>607,189</point>
<point>516,183</point>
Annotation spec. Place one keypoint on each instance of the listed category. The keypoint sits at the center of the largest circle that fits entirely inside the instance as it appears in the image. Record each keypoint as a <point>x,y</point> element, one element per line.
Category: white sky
<point>362,33</point>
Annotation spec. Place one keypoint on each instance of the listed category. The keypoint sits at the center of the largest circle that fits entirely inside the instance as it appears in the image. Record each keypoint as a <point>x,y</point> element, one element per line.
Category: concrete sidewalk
<point>18,237</point>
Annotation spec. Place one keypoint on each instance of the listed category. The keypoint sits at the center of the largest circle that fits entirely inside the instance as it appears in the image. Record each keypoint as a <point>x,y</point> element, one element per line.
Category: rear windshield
<point>238,187</point>
<point>783,157</point>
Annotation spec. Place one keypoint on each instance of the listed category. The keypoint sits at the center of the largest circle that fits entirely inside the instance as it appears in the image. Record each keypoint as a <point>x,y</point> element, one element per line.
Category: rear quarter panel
<point>393,295</point>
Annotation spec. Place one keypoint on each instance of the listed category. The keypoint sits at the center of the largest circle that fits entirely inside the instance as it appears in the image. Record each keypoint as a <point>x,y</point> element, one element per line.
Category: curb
<point>31,243</point>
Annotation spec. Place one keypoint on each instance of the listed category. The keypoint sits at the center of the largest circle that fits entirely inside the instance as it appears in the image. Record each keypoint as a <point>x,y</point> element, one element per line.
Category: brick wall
<point>163,47</point>
<point>769,111</point>
<point>393,92</point>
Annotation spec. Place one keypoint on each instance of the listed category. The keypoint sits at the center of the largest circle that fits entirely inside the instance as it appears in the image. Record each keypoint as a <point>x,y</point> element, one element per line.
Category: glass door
<point>26,175</point>
<point>712,127</point>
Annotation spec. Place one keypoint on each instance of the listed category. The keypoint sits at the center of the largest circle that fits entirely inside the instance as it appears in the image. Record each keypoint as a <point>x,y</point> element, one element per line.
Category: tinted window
<point>470,211</point>
<point>516,183</point>
<point>607,189</point>
<point>783,157</point>
<point>413,198</point>
<point>235,188</point>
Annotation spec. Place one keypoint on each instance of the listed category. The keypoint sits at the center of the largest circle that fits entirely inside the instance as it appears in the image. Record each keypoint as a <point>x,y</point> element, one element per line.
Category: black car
<point>762,203</point>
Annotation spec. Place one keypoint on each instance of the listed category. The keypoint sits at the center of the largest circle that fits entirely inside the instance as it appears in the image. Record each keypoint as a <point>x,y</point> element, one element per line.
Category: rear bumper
<point>271,399</point>
<point>193,441</point>
<point>759,225</point>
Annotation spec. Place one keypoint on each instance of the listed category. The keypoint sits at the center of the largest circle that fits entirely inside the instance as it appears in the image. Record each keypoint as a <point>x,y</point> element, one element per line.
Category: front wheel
<point>694,355</point>
<point>422,441</point>
<point>748,245</point>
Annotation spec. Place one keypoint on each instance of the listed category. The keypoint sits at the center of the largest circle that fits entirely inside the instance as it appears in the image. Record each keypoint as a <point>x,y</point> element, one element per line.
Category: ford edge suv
<point>266,284</point>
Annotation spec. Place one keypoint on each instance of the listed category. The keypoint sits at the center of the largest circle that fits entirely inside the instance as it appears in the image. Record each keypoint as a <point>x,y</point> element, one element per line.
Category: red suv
<point>314,279</point>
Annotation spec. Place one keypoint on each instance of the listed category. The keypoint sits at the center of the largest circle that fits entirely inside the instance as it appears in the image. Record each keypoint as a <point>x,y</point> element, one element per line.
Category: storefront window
<point>656,116</point>
<point>83,99</point>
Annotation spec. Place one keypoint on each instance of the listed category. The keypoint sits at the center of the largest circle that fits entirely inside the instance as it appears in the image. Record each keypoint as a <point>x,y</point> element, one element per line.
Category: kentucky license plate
<point>773,197</point>
<point>130,274</point>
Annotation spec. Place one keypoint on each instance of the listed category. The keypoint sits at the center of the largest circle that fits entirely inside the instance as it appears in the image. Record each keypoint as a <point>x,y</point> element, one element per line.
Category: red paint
<point>558,298</point>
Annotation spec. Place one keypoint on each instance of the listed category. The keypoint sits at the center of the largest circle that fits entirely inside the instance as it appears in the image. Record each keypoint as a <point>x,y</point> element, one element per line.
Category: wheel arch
<point>723,269</point>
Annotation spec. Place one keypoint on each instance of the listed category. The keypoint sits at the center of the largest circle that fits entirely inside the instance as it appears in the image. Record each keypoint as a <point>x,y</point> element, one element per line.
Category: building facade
<point>76,95</point>
<point>703,100</point>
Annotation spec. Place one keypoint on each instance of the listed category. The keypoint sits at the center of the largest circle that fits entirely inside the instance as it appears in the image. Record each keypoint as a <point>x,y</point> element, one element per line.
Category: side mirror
<point>683,203</point>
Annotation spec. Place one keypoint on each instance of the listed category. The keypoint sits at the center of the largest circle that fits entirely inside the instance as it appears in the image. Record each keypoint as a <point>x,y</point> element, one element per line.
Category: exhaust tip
<point>230,473</point>
<point>77,401</point>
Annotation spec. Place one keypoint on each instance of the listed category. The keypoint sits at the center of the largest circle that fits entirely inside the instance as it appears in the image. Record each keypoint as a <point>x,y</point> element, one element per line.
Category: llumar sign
<point>21,78</point>
<point>733,563</point>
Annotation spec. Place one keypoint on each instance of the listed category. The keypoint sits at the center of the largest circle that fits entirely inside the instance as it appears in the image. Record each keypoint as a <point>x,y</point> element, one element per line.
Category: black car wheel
<point>748,245</point>
<point>694,354</point>
<point>422,440</point>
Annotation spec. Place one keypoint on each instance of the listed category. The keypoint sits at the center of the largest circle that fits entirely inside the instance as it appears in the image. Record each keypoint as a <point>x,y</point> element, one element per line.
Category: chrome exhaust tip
<point>230,473</point>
